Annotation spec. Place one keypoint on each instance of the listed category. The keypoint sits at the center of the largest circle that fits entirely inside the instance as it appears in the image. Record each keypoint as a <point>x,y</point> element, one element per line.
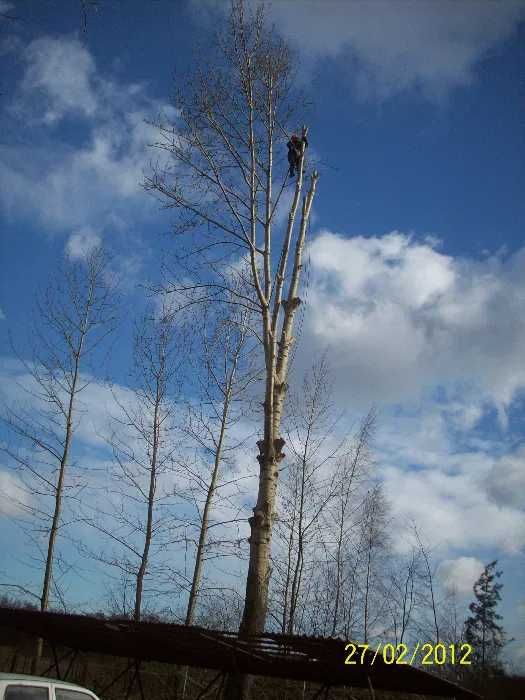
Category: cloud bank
<point>460,574</point>
<point>392,47</point>
<point>398,315</point>
<point>435,341</point>
<point>93,178</point>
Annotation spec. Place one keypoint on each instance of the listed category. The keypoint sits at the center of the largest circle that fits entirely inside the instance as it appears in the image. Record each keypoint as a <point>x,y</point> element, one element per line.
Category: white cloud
<point>440,482</point>
<point>436,341</point>
<point>127,270</point>
<point>460,574</point>
<point>465,416</point>
<point>389,47</point>
<point>506,480</point>
<point>440,474</point>
<point>58,80</point>
<point>95,400</point>
<point>97,404</point>
<point>397,316</point>
<point>453,510</point>
<point>423,434</point>
<point>81,243</point>
<point>96,179</point>
<point>402,45</point>
<point>13,496</point>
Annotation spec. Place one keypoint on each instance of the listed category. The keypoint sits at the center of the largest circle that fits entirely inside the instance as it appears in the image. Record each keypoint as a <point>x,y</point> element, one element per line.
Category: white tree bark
<point>224,145</point>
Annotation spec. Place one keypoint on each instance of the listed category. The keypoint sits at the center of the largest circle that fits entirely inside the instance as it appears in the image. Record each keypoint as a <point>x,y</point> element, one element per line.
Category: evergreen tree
<point>482,630</point>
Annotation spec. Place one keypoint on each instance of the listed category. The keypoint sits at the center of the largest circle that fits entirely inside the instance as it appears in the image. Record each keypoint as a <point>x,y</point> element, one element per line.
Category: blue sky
<point>417,256</point>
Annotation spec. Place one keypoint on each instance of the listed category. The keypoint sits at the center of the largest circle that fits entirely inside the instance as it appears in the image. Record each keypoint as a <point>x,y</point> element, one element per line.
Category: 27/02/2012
<point>426,654</point>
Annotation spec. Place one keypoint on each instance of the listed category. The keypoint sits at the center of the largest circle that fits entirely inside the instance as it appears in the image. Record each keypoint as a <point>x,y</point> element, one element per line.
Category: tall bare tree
<point>402,595</point>
<point>223,385</point>
<point>336,580</point>
<point>352,470</point>
<point>139,521</point>
<point>224,370</point>
<point>428,576</point>
<point>307,487</point>
<point>373,545</point>
<point>224,146</point>
<point>75,314</point>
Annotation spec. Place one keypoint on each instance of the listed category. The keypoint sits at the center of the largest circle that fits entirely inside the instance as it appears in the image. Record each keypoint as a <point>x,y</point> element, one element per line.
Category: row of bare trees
<point>337,567</point>
<point>154,440</point>
<point>211,368</point>
<point>168,481</point>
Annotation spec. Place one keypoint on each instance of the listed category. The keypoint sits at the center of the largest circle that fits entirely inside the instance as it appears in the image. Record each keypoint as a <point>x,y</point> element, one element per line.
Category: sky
<point>417,248</point>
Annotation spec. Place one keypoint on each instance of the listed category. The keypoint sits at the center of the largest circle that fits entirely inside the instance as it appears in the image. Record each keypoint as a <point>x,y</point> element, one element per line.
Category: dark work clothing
<point>294,152</point>
<point>293,157</point>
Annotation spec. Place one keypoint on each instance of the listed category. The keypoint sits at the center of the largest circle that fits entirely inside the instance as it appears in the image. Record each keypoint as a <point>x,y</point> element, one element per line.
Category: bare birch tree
<point>307,487</point>
<point>402,596</point>
<point>138,522</point>
<point>373,543</point>
<point>333,609</point>
<point>75,314</point>
<point>352,469</point>
<point>428,577</point>
<point>222,363</point>
<point>224,182</point>
<point>318,565</point>
<point>226,346</point>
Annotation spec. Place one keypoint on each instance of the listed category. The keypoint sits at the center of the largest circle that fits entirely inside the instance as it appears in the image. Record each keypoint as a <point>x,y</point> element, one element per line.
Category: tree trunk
<point>277,355</point>
<point>270,449</point>
<point>367,591</point>
<point>149,522</point>
<point>197,571</point>
<point>55,524</point>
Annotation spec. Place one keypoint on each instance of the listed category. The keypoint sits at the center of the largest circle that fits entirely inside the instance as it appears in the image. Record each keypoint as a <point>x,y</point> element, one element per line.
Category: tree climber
<point>295,148</point>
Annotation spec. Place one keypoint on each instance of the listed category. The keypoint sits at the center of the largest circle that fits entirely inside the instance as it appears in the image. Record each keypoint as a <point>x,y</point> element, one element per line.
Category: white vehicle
<point>19,686</point>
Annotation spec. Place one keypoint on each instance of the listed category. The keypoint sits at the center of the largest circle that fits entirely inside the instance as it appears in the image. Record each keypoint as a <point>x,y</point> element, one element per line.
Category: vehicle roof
<point>41,679</point>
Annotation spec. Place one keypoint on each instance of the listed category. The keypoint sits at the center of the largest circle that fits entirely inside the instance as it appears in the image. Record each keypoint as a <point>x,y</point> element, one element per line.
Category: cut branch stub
<point>278,444</point>
<point>291,306</point>
<point>259,527</point>
<point>257,519</point>
<point>283,344</point>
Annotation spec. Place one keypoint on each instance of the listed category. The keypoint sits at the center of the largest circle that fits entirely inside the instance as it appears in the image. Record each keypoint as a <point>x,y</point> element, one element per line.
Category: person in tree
<point>295,148</point>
